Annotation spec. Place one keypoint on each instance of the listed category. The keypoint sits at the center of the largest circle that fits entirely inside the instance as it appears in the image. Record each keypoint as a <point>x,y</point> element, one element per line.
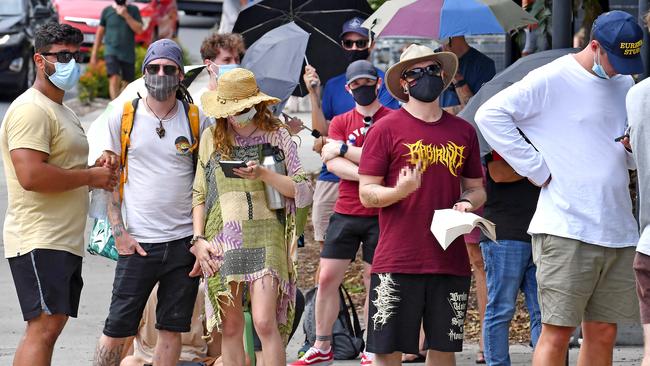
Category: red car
<point>159,17</point>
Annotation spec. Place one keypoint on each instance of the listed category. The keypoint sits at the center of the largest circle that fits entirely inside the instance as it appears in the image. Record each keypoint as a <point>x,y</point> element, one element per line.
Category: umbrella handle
<point>313,84</point>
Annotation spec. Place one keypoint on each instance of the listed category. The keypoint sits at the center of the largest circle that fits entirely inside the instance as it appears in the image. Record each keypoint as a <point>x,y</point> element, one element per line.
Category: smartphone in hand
<point>227,167</point>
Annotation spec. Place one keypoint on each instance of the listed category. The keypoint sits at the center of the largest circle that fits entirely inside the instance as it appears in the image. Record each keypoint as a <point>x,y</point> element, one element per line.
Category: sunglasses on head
<point>360,43</point>
<point>418,72</point>
<point>64,56</point>
<point>153,69</point>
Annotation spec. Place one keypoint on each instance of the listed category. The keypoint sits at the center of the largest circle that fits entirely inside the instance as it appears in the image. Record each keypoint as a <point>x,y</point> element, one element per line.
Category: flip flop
<point>419,359</point>
<point>480,358</point>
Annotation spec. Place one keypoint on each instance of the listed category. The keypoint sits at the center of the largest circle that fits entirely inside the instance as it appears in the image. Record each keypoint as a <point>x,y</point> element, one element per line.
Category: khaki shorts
<point>577,281</point>
<point>325,195</point>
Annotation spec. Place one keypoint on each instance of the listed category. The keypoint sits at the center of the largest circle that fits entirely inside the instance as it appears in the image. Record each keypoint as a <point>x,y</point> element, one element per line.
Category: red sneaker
<point>366,358</point>
<point>315,357</point>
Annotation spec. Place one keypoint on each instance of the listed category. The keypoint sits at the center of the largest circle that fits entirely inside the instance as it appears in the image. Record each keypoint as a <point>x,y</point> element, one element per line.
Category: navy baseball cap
<point>360,69</point>
<point>354,26</point>
<point>621,37</point>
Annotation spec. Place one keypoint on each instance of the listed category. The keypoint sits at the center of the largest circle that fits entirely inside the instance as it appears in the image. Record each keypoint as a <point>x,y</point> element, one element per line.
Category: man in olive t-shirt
<point>118,25</point>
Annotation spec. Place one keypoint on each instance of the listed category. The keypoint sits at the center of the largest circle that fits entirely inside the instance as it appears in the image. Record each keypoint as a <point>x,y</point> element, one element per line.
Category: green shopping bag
<point>101,241</point>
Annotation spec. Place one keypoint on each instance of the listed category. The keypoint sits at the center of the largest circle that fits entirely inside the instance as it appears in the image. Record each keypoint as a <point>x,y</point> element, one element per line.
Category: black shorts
<point>346,232</point>
<point>168,264</point>
<point>114,66</point>
<point>47,281</point>
<point>399,303</point>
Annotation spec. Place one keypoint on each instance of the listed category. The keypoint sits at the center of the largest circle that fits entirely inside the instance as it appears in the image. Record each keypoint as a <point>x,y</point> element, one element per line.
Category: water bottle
<point>98,204</point>
<point>273,159</point>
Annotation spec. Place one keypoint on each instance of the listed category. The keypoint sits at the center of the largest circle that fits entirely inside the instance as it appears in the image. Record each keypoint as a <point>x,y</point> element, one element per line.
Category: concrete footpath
<point>77,342</point>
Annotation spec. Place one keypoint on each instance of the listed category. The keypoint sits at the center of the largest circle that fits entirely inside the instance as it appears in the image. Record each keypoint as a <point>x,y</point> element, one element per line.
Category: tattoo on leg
<point>324,338</point>
<point>108,357</point>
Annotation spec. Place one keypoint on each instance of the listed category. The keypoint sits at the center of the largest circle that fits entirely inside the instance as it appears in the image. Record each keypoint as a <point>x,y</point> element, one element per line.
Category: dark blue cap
<point>360,69</point>
<point>621,37</point>
<point>164,48</point>
<point>354,26</point>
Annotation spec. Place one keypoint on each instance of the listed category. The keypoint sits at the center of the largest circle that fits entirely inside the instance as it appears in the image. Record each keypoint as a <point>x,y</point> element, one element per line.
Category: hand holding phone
<point>228,166</point>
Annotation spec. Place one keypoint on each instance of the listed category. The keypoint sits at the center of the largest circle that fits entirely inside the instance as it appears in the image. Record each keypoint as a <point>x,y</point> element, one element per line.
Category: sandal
<point>414,358</point>
<point>480,357</point>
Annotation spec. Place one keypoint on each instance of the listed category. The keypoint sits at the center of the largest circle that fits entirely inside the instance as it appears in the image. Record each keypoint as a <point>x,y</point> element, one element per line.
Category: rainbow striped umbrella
<point>440,19</point>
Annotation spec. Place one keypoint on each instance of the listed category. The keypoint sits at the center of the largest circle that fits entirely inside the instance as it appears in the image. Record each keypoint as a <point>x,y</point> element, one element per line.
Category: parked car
<point>159,18</point>
<point>19,20</point>
<point>201,7</point>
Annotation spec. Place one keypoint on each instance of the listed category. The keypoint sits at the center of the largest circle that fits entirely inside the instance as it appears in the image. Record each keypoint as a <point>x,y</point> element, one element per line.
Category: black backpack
<point>347,336</point>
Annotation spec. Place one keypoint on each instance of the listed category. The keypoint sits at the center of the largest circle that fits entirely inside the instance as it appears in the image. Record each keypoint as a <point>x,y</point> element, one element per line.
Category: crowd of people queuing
<point>196,250</point>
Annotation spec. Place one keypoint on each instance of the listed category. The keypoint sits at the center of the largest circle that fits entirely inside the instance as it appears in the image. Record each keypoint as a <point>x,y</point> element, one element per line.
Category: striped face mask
<point>161,87</point>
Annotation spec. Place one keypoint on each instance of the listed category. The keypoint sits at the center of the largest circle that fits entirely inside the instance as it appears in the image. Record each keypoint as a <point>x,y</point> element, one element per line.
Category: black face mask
<point>427,88</point>
<point>364,95</point>
<point>356,55</point>
<point>120,2</point>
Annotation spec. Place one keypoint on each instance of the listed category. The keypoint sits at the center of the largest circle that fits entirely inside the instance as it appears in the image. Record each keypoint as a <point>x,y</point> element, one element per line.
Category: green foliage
<point>354,287</point>
<point>93,83</point>
<point>140,52</point>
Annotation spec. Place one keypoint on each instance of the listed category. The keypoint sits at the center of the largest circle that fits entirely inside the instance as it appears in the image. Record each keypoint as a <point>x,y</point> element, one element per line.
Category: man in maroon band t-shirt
<point>417,160</point>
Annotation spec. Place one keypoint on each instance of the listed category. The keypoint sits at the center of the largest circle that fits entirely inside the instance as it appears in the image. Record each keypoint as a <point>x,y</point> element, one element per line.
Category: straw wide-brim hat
<point>236,90</point>
<point>415,54</point>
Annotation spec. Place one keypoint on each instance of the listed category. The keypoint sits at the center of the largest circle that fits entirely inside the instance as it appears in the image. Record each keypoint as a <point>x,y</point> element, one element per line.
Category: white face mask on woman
<point>244,119</point>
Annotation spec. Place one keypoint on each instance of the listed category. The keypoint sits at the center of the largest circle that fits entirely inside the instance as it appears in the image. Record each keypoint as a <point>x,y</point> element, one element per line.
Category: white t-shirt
<point>157,201</point>
<point>638,111</point>
<point>572,118</point>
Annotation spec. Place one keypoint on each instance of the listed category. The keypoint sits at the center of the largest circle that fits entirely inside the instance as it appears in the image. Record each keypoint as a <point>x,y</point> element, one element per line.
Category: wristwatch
<point>195,238</point>
<point>460,83</point>
<point>343,150</point>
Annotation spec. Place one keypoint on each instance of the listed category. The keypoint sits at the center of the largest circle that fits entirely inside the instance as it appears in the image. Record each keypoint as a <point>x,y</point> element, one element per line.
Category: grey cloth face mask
<point>161,87</point>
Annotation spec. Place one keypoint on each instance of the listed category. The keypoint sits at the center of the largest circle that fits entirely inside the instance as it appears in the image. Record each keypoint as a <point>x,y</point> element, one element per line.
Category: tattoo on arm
<point>115,215</point>
<point>105,356</point>
<point>118,230</point>
<point>371,196</point>
<point>468,192</point>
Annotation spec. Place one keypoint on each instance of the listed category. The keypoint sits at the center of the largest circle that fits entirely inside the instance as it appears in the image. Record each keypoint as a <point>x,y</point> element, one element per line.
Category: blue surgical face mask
<point>222,68</point>
<point>598,68</point>
<point>65,76</point>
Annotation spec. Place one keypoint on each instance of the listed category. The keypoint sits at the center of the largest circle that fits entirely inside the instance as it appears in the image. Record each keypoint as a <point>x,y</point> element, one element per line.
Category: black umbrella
<point>323,19</point>
<point>504,79</point>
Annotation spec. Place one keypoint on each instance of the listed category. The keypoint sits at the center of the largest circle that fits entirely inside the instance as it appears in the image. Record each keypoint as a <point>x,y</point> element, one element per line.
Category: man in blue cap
<point>584,233</point>
<point>155,236</point>
<point>336,100</point>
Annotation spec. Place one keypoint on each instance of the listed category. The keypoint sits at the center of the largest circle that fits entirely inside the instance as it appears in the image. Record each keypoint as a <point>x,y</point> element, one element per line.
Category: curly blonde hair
<point>224,140</point>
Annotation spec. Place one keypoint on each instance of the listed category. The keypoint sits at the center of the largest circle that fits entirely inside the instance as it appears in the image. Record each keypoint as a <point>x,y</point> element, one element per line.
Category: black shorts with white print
<point>399,303</point>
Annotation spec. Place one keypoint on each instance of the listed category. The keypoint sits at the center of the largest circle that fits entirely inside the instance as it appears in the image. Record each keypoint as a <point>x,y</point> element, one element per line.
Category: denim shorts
<point>168,264</point>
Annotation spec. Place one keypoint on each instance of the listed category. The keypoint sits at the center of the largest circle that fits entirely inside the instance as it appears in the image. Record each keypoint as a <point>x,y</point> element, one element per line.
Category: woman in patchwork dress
<point>243,248</point>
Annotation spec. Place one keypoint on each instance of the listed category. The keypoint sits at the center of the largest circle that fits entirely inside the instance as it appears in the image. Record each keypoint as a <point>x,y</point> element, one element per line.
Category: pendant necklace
<point>160,130</point>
